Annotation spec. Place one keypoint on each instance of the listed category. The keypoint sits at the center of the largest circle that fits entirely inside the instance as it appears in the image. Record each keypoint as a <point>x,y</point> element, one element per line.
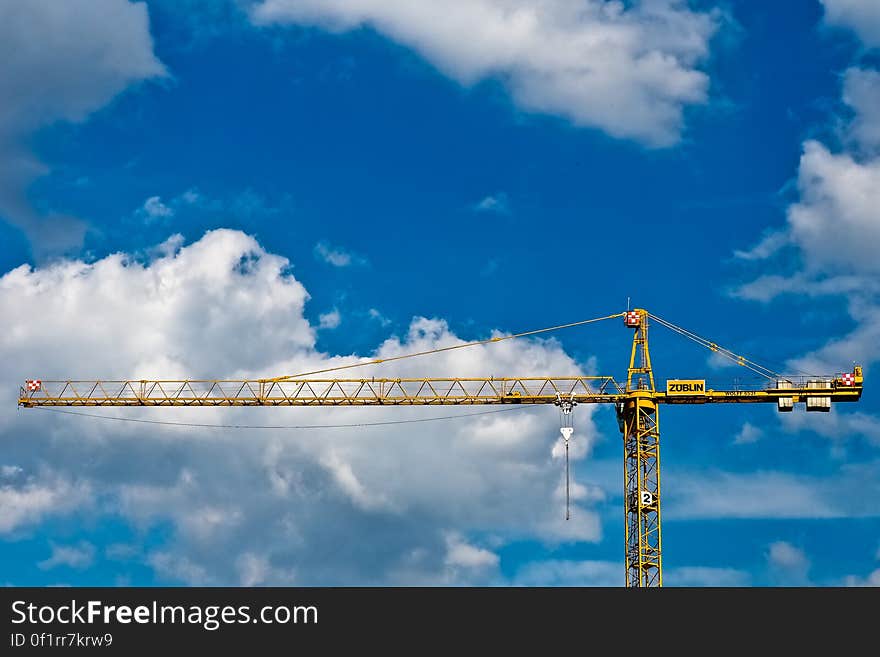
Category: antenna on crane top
<point>627,303</point>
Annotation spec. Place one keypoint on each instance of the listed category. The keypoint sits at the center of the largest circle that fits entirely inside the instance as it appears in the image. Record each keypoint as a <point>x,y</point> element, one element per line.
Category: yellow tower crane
<point>636,402</point>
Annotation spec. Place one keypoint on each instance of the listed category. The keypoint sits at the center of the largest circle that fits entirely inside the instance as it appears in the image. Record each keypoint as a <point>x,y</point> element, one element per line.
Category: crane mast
<point>636,401</point>
<point>640,426</point>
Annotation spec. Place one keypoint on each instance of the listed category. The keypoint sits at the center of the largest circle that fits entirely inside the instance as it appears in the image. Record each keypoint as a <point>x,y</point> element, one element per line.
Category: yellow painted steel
<point>641,479</point>
<point>640,376</point>
<point>636,401</point>
<point>386,392</point>
<point>325,392</point>
<point>639,424</point>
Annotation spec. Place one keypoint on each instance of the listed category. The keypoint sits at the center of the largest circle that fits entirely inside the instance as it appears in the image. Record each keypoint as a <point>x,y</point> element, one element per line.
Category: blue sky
<point>435,175</point>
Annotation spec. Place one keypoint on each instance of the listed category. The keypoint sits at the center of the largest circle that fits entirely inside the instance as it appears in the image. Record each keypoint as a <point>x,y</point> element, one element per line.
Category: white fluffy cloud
<point>835,223</point>
<point>785,555</point>
<point>836,425</point>
<point>192,312</point>
<point>386,504</point>
<point>330,319</point>
<point>61,62</point>
<point>770,494</point>
<point>626,68</point>
<point>835,229</point>
<point>749,433</point>
<point>494,203</point>
<point>609,573</point>
<point>861,16</point>
<point>336,256</point>
<point>469,563</point>
<point>789,565</point>
<point>872,579</point>
<point>861,91</point>
<point>78,556</point>
<point>27,500</point>
<point>834,226</point>
<point>703,576</point>
<point>571,573</point>
<point>154,209</point>
<point>759,495</point>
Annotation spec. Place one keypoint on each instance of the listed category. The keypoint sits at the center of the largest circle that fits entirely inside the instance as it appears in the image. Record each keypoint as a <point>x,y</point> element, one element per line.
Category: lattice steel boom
<point>636,400</point>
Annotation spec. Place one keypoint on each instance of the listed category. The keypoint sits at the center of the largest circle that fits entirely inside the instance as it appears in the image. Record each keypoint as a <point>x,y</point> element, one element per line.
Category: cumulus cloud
<point>705,576</point>
<point>836,425</point>
<point>61,62</point>
<point>78,556</point>
<point>121,551</point>
<point>861,91</point>
<point>336,256</point>
<point>833,225</point>
<point>769,494</point>
<point>785,555</point>
<point>628,69</point>
<point>749,433</point>
<point>247,204</point>
<point>30,501</point>
<point>380,504</point>
<point>770,244</point>
<point>461,554</point>
<point>154,209</point>
<point>835,222</point>
<point>177,568</point>
<point>256,570</point>
<point>872,579</point>
<point>494,203</point>
<point>610,573</point>
<point>377,316</point>
<point>834,230</point>
<point>570,573</point>
<point>861,16</point>
<point>9,471</point>
<point>354,489</point>
<point>768,287</point>
<point>192,311</point>
<point>788,564</point>
<point>329,320</point>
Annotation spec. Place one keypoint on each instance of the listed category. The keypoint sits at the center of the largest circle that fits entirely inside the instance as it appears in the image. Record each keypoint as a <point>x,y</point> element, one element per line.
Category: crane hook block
<point>566,432</point>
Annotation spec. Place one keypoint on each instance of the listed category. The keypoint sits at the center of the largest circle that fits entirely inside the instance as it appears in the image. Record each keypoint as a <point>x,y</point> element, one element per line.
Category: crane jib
<point>418,392</point>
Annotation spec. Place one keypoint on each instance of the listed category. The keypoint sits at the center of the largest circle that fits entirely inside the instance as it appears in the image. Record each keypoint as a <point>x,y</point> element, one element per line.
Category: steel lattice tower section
<point>638,419</point>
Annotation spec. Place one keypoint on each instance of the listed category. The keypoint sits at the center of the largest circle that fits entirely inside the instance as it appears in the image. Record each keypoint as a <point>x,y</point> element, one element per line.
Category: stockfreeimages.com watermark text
<point>210,617</point>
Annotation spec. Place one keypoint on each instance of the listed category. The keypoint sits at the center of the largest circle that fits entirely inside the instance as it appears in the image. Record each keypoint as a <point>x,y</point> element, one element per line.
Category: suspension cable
<point>566,428</point>
<point>726,353</point>
<point>440,349</point>
<point>277,427</point>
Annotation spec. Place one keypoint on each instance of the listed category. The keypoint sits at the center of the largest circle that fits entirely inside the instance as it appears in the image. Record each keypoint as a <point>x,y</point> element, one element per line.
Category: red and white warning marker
<point>33,384</point>
<point>848,379</point>
<point>631,318</point>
